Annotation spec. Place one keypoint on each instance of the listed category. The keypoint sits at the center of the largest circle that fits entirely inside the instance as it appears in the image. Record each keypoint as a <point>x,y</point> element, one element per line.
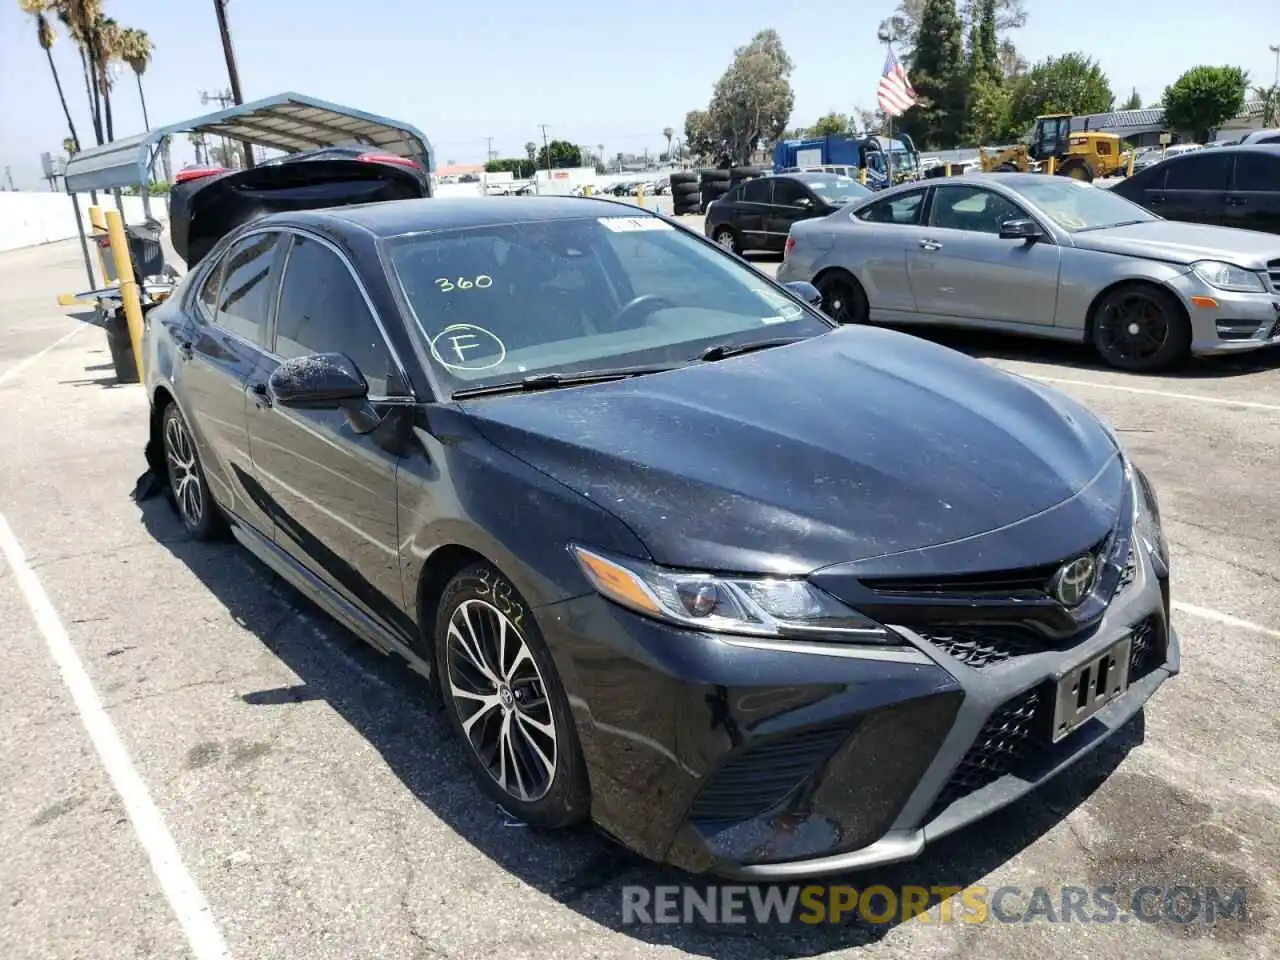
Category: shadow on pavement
<point>396,711</point>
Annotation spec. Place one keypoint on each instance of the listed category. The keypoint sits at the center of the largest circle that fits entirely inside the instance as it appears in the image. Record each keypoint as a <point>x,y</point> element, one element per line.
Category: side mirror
<point>1023,229</point>
<point>805,291</point>
<point>321,381</point>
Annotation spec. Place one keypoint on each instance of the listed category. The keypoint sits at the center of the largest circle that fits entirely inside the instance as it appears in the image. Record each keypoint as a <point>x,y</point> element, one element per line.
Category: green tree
<point>940,78</point>
<point>1072,83</point>
<point>903,26</point>
<point>991,113</point>
<point>1132,102</point>
<point>697,135</point>
<point>135,49</point>
<point>559,153</point>
<point>1203,98</point>
<point>519,167</point>
<point>752,101</point>
<point>833,124</point>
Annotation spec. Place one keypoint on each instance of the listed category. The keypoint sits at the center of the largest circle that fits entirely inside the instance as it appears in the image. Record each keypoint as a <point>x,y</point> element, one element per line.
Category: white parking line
<point>188,903</point>
<point>1226,619</point>
<point>25,362</point>
<point>1221,401</point>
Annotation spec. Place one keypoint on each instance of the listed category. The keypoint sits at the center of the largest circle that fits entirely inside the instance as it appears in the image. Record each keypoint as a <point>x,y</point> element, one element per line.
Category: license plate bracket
<point>1086,689</point>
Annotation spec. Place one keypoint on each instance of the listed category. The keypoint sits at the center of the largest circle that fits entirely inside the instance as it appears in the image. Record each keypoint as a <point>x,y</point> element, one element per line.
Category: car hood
<point>1184,243</point>
<point>856,444</point>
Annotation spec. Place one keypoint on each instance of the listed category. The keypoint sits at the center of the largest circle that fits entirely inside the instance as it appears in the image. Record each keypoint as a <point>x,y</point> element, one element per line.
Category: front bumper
<point>1224,322</point>
<point>774,760</point>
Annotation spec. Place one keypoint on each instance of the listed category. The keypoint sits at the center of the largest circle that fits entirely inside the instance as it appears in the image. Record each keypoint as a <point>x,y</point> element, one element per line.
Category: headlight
<point>1226,276</point>
<point>1146,516</point>
<point>755,606</point>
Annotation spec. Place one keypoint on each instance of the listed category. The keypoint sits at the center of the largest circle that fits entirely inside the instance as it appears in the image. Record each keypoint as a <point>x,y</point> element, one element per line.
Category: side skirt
<point>372,631</point>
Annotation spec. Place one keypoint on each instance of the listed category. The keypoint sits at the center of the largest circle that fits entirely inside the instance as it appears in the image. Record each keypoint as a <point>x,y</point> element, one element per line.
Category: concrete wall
<point>27,219</point>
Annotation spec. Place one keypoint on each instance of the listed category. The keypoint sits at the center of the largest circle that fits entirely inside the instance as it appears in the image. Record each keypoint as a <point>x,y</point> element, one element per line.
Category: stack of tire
<point>714,184</point>
<point>685,193</point>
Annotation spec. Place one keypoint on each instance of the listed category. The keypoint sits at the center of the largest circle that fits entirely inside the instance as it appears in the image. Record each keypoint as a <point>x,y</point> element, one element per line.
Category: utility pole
<point>1275,48</point>
<point>488,154</point>
<point>220,8</point>
<point>8,175</point>
<point>546,151</point>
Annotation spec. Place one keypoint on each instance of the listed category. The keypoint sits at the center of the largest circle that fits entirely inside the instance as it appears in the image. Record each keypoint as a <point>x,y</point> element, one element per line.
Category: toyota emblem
<point>1074,581</point>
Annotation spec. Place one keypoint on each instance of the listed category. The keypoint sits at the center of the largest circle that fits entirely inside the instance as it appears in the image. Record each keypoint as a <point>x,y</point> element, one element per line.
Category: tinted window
<point>245,297</point>
<point>971,208</point>
<point>1257,171</point>
<point>835,189</point>
<point>788,193</point>
<point>732,195</point>
<point>756,191</point>
<point>207,298</point>
<point>1199,171</point>
<point>502,302</point>
<point>323,311</point>
<point>904,209</point>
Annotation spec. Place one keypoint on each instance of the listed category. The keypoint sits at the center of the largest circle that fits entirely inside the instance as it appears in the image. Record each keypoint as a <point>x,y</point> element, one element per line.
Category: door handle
<point>930,245</point>
<point>261,396</point>
<point>185,348</point>
<point>1157,198</point>
<point>1237,202</point>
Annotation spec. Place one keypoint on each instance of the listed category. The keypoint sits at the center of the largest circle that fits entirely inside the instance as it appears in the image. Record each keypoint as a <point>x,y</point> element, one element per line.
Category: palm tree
<point>135,48</point>
<point>531,150</point>
<point>1270,97</point>
<point>79,17</point>
<point>106,38</point>
<point>197,140</point>
<point>668,133</point>
<point>46,36</point>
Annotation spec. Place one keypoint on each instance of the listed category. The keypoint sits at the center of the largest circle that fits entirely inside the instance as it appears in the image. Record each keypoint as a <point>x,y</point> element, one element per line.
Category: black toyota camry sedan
<point>759,596</point>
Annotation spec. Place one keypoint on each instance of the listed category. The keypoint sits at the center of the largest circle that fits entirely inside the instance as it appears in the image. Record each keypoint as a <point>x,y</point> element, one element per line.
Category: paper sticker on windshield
<point>633,224</point>
<point>786,310</point>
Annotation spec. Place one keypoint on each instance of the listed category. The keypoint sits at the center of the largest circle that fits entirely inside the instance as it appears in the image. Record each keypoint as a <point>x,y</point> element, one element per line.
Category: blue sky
<point>593,72</point>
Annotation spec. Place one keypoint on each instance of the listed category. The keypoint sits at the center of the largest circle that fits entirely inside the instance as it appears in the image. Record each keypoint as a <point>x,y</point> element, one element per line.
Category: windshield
<point>510,301</point>
<point>1074,206</point>
<point>834,188</point>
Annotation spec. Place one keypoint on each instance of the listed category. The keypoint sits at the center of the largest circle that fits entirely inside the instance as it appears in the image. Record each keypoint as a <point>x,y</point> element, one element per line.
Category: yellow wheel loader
<point>1082,154</point>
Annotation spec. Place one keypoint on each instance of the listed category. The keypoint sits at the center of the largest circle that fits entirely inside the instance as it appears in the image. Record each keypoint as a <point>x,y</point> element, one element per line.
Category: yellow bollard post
<point>640,195</point>
<point>1051,166</point>
<point>1133,155</point>
<point>862,176</point>
<point>128,285</point>
<point>99,225</point>
<point>946,169</point>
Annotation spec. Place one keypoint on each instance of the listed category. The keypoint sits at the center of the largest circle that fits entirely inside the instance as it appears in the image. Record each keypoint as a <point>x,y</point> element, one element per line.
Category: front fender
<point>1087,274</point>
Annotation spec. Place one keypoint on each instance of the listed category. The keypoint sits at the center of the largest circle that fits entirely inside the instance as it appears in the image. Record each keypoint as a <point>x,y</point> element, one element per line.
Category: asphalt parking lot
<point>198,764</point>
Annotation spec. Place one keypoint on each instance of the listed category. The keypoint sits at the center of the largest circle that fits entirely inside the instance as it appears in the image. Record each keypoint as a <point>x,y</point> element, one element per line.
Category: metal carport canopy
<point>288,121</point>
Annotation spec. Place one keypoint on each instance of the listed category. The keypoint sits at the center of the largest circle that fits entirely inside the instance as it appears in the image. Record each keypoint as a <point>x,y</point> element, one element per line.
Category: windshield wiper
<point>721,350</point>
<point>549,381</point>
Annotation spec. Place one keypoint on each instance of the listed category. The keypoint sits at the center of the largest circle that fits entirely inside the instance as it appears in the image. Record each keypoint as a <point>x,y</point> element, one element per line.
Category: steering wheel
<point>645,303</point>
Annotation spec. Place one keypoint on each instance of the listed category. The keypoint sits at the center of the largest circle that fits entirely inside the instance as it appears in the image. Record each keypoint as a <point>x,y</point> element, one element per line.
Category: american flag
<point>895,93</point>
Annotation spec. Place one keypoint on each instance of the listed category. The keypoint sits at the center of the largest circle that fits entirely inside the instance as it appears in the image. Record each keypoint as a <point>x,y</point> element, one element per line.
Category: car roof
<point>399,217</point>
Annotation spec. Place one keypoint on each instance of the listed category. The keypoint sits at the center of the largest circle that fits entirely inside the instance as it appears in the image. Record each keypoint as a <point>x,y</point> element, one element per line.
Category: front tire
<point>1137,327</point>
<point>727,239</point>
<point>505,700</point>
<point>188,488</point>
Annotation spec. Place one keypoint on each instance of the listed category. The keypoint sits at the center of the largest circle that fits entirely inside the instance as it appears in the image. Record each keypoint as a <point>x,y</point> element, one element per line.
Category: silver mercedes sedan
<point>1045,256</point>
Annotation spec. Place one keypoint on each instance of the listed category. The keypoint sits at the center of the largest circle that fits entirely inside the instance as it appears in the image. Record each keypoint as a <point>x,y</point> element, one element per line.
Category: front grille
<point>1147,650</point>
<point>979,647</point>
<point>1009,737</point>
<point>1273,273</point>
<point>758,777</point>
<point>1008,583</point>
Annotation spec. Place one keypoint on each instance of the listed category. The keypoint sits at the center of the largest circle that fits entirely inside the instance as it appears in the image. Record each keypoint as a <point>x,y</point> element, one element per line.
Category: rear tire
<point>505,701</point>
<point>188,488</point>
<point>843,298</point>
<point>1076,169</point>
<point>727,239</point>
<point>1138,327</point>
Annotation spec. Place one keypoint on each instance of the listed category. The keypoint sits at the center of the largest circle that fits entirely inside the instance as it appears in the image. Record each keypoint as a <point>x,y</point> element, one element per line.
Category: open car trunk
<point>203,211</point>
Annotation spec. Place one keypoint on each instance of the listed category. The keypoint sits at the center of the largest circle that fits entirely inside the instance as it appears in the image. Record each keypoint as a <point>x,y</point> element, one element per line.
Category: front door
<point>1254,200</point>
<point>332,490</point>
<point>962,269</point>
<point>223,349</point>
<point>791,204</point>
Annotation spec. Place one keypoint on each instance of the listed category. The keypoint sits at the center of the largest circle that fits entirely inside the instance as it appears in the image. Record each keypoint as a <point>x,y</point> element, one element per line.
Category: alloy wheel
<point>1133,328</point>
<point>501,699</point>
<point>726,239</point>
<point>840,300</point>
<point>184,472</point>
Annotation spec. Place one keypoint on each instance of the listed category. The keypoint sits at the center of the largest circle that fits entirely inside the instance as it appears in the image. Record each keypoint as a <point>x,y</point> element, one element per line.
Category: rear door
<point>1195,187</point>
<point>960,268</point>
<point>791,204</point>
<point>332,491</point>
<point>1254,200</point>
<point>227,346</point>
